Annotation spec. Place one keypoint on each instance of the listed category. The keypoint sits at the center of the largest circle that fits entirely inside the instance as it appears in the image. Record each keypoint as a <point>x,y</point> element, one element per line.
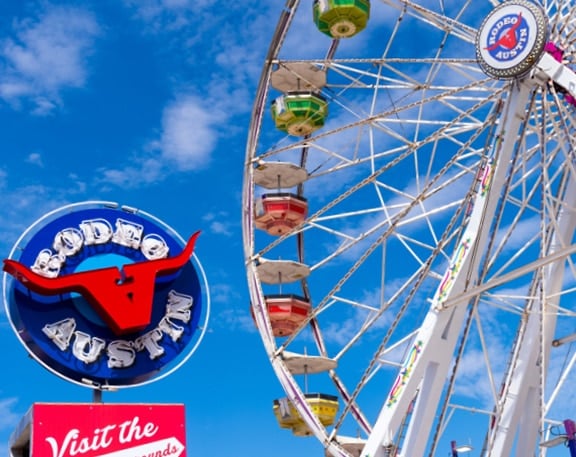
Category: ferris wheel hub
<point>511,39</point>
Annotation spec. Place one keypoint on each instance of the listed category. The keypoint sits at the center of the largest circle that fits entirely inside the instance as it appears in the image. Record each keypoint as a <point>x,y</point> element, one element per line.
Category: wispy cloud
<point>226,313</point>
<point>8,418</point>
<point>189,133</point>
<point>228,63</point>
<point>235,319</point>
<point>166,15</point>
<point>35,159</point>
<point>187,139</point>
<point>44,56</point>
<point>219,223</point>
<point>226,70</point>
<point>3,176</point>
<point>32,201</point>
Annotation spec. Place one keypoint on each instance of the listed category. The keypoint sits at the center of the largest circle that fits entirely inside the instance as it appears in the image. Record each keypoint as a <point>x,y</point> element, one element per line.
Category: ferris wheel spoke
<point>429,211</point>
<point>437,19</point>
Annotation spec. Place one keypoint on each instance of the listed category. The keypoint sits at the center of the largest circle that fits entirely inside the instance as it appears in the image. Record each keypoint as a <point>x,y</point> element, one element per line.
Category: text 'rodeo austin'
<point>87,348</point>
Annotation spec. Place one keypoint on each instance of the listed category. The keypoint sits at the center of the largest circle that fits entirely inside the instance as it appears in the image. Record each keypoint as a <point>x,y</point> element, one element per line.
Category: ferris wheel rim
<point>258,304</point>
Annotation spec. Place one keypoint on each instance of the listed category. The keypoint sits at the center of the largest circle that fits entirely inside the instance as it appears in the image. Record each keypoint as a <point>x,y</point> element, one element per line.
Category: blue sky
<point>148,103</point>
<point>145,103</point>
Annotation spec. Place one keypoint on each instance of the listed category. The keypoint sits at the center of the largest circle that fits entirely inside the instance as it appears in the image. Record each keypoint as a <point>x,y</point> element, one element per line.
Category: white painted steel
<point>440,236</point>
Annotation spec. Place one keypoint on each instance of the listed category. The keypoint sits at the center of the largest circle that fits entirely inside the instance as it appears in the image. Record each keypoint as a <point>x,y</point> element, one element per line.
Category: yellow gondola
<point>324,406</point>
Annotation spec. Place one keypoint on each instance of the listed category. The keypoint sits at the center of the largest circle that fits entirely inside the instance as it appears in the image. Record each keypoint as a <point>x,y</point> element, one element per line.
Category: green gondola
<point>341,18</point>
<point>299,114</point>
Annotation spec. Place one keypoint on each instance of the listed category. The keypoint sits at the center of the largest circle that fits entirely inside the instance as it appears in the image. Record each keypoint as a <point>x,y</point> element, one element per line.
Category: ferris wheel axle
<point>558,72</point>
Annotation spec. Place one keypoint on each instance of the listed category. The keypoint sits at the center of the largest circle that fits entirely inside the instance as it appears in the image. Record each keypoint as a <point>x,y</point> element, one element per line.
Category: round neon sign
<point>106,296</point>
<point>511,39</point>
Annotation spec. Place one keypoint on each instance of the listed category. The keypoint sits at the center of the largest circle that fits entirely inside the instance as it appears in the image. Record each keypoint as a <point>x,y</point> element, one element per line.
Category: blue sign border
<point>29,312</point>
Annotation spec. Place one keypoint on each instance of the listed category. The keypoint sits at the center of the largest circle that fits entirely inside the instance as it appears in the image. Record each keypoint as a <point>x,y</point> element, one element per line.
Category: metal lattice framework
<point>439,241</point>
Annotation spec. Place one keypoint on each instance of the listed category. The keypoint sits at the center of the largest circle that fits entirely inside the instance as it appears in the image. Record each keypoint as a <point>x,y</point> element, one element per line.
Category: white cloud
<point>191,124</point>
<point>224,315</point>
<point>163,15</point>
<point>187,139</point>
<point>8,418</point>
<point>46,55</point>
<point>341,331</point>
<point>523,233</point>
<point>140,171</point>
<point>189,133</point>
<point>220,228</point>
<point>35,159</point>
<point>218,223</point>
<point>236,319</point>
<point>44,106</point>
<point>3,176</point>
<point>223,293</point>
<point>31,202</point>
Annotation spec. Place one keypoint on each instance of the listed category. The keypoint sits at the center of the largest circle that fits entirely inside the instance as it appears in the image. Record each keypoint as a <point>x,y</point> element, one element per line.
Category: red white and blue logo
<point>508,37</point>
<point>511,39</point>
<point>106,296</point>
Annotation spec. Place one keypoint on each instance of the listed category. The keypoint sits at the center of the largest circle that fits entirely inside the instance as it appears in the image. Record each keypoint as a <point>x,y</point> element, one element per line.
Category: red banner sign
<point>107,430</point>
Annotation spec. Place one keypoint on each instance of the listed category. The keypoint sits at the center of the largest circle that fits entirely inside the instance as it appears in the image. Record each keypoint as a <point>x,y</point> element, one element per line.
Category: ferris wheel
<point>408,219</point>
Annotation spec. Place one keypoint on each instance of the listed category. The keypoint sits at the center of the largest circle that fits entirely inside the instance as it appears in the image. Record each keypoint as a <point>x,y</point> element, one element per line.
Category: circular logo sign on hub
<point>511,39</point>
<point>106,296</point>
